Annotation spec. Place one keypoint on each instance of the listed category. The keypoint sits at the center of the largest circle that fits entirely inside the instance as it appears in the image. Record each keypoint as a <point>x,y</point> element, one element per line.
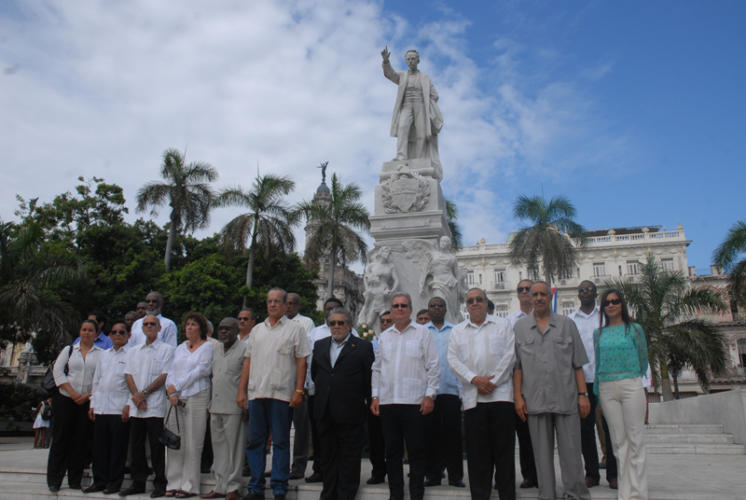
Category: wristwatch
<point>583,394</point>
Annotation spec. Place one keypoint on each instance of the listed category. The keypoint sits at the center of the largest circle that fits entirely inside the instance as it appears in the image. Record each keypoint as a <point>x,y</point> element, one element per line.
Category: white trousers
<point>623,403</point>
<point>183,465</point>
<point>228,433</point>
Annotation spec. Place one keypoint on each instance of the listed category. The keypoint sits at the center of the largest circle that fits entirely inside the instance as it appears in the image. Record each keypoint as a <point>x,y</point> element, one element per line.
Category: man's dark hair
<point>333,299</point>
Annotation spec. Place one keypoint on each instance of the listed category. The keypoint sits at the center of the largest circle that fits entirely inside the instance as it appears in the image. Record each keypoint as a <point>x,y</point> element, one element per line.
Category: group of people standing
<point>411,385</point>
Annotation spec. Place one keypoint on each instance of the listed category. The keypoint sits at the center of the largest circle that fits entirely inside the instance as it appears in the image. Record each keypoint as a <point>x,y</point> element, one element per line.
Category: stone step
<point>694,449</point>
<point>684,428</point>
<point>651,438</point>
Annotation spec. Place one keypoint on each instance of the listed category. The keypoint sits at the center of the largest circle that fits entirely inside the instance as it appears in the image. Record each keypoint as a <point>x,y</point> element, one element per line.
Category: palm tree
<point>661,301</point>
<point>549,239</point>
<point>725,256</point>
<point>452,218</point>
<point>187,191</point>
<point>333,227</point>
<point>268,224</point>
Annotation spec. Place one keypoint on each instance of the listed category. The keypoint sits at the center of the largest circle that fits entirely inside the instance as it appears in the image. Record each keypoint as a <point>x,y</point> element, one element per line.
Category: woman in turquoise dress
<point>621,361</point>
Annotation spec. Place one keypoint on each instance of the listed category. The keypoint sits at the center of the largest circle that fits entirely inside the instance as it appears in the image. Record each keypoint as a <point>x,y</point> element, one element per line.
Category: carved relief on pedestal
<point>405,191</point>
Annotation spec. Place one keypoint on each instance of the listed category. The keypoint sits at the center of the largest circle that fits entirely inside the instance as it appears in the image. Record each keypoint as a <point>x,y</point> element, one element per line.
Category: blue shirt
<point>449,384</point>
<point>335,349</point>
<point>101,341</point>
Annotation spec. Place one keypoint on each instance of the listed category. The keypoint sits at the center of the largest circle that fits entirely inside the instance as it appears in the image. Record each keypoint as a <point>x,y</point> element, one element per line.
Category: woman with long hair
<point>621,361</point>
<point>73,373</point>
<point>188,388</point>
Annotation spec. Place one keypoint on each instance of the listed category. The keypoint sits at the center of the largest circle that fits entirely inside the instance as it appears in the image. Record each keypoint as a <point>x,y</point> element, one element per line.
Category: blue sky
<point>635,111</point>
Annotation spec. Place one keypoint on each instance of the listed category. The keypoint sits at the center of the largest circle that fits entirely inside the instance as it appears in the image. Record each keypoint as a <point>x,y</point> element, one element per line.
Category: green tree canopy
<point>726,256</point>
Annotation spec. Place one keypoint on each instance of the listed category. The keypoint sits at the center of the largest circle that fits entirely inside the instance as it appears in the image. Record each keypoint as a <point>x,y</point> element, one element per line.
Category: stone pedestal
<point>412,242</point>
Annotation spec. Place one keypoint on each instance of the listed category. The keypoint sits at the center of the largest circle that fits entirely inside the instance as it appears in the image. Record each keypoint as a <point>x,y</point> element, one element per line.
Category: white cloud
<point>104,88</point>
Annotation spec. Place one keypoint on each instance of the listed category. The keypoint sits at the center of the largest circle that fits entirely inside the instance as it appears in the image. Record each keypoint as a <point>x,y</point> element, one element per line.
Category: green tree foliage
<point>334,226</point>
<point>548,240</point>
<point>726,256</point>
<point>268,224</point>
<point>661,301</point>
<point>187,191</point>
<point>452,218</point>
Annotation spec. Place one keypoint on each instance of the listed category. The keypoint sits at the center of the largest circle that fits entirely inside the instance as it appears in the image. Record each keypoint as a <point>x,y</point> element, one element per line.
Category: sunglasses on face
<point>118,332</point>
<point>615,302</point>
<point>399,306</point>
<point>337,323</point>
<point>149,323</point>
<point>523,289</point>
<point>474,300</point>
<point>244,319</point>
<point>588,289</point>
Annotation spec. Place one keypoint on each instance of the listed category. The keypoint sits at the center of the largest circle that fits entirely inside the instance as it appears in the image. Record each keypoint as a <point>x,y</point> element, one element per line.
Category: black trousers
<point>376,448</point>
<point>443,449</point>
<point>588,437</point>
<point>525,450</point>
<point>404,423</point>
<point>315,442</point>
<point>490,443</point>
<point>150,427</point>
<point>70,449</point>
<point>110,439</point>
<point>339,458</point>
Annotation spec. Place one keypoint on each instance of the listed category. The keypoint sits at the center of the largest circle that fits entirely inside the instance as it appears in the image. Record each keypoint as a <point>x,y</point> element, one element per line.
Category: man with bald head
<point>228,430</point>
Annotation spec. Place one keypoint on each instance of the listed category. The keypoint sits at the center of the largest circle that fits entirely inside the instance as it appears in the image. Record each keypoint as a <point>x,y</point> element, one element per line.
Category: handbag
<point>168,438</point>
<point>48,383</point>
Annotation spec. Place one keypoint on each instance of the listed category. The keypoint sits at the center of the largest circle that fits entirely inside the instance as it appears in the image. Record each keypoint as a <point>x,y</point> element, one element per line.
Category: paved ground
<point>671,477</point>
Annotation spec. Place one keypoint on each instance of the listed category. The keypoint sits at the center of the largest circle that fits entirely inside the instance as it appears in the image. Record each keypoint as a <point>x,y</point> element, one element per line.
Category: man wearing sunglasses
<point>482,353</point>
<point>246,322</point>
<point>168,331</point>
<point>525,450</point>
<point>110,410</point>
<point>403,387</point>
<point>549,390</point>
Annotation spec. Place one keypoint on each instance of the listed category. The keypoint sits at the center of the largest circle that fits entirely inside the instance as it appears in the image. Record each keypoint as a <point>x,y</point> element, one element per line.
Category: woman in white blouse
<point>188,388</point>
<point>73,373</point>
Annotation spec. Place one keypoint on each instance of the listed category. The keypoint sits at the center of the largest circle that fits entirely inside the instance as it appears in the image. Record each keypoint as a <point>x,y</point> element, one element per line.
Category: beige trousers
<point>228,433</point>
<point>623,402</point>
<point>183,465</point>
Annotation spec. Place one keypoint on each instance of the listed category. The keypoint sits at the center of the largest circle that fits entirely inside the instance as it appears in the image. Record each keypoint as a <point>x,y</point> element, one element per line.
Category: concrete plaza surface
<point>675,476</point>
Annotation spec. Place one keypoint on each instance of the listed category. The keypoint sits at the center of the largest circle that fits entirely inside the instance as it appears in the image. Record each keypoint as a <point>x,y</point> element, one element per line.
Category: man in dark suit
<point>341,370</point>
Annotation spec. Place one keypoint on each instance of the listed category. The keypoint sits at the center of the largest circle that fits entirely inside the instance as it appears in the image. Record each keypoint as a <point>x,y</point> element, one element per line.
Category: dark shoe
<point>110,491</point>
<point>254,496</point>
<point>313,478</point>
<point>75,487</point>
<point>132,490</point>
<point>590,482</point>
<point>613,484</point>
<point>458,483</point>
<point>376,480</point>
<point>94,488</point>
<point>281,496</point>
<point>296,475</point>
<point>432,482</point>
<point>527,483</point>
<point>232,495</point>
<point>54,489</point>
<point>158,493</point>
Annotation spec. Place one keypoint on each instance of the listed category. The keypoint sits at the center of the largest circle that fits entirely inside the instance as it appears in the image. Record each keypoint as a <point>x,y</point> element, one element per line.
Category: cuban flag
<point>554,299</point>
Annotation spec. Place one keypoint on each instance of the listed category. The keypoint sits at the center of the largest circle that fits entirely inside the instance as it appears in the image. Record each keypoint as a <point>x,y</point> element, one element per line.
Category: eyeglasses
<point>244,319</point>
<point>473,300</point>
<point>523,289</point>
<point>149,323</point>
<point>615,302</point>
<point>337,323</point>
<point>436,304</point>
<point>586,289</point>
<point>399,306</point>
<point>118,332</point>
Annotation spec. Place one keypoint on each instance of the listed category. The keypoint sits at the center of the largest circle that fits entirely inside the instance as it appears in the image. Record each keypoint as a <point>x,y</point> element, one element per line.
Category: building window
<point>599,269</point>
<point>501,310</point>
<point>633,267</point>
<point>533,273</point>
<point>566,274</point>
<point>470,278</point>
<point>480,279</point>
<point>568,306</point>
<point>667,264</point>
<point>499,279</point>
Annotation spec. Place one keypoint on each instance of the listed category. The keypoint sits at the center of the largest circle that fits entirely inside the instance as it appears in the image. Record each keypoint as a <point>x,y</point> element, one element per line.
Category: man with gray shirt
<point>549,389</point>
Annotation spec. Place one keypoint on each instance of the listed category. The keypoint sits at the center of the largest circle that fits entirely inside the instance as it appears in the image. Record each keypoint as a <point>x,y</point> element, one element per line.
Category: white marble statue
<point>381,281</point>
<point>417,118</point>
<point>441,278</point>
